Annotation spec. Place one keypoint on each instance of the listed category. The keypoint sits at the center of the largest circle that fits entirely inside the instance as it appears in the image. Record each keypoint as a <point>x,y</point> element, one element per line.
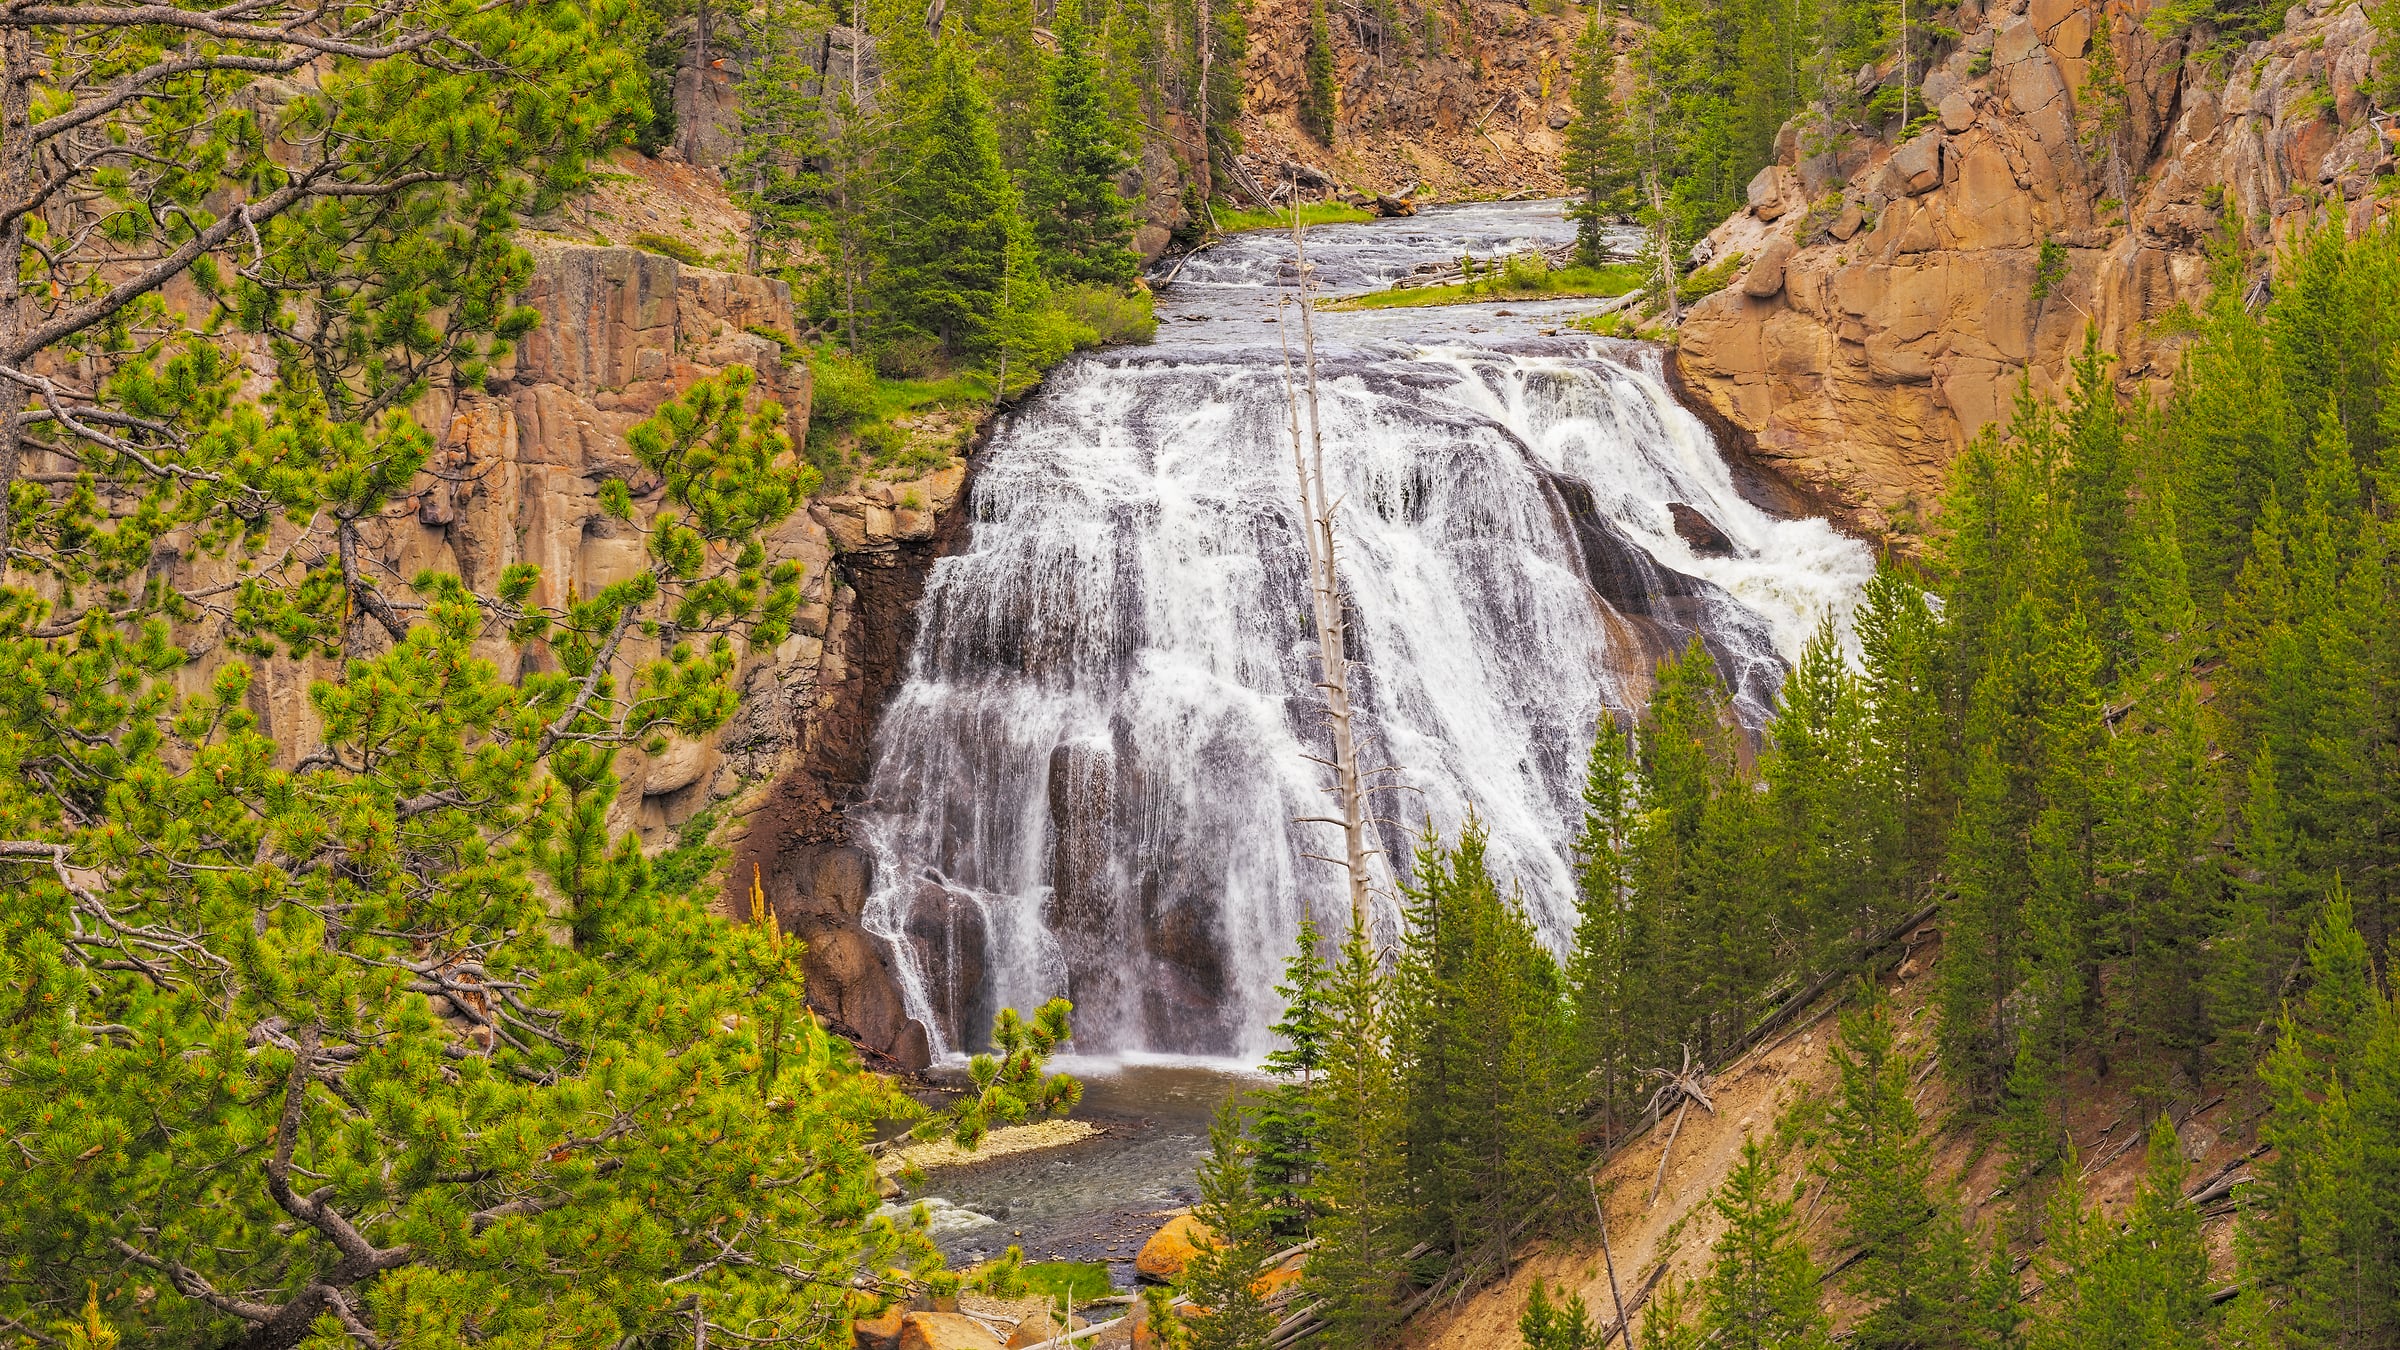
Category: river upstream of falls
<point>1091,782</point>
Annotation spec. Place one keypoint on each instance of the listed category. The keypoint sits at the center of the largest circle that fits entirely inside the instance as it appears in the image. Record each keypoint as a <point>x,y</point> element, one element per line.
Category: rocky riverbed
<point>1101,1196</point>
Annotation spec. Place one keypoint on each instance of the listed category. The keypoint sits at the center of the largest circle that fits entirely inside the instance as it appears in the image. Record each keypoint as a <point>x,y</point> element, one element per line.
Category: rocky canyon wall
<point>1896,296</point>
<point>1464,102</point>
<point>515,478</point>
<point>622,331</point>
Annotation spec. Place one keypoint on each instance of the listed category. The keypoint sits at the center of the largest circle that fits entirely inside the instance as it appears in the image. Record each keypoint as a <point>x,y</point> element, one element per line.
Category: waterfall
<point>1093,780</point>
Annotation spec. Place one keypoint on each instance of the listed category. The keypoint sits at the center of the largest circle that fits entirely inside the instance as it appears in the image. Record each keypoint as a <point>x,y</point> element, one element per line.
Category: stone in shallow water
<point>1699,531</point>
<point>1171,1248</point>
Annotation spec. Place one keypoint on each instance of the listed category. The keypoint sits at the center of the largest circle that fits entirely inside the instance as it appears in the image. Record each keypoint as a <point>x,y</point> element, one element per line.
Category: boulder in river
<point>1169,1249</point>
<point>1699,531</point>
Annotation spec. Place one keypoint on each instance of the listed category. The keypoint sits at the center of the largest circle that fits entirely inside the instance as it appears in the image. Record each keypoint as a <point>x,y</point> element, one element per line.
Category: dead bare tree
<point>1317,508</point>
<point>1692,1086</point>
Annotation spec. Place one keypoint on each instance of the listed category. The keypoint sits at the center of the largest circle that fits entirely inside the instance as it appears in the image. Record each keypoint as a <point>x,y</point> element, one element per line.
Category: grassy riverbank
<point>1521,278</point>
<point>1235,220</point>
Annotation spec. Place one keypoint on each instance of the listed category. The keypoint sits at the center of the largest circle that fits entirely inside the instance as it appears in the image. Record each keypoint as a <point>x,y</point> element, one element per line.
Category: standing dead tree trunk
<point>1333,667</point>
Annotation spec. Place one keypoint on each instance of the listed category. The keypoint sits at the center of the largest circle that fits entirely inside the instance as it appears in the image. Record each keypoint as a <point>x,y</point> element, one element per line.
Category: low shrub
<point>1114,317</point>
<point>843,390</point>
<point>671,248</point>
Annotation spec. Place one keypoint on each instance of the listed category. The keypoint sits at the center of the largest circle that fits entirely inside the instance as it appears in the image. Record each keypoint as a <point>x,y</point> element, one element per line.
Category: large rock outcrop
<point>1913,287</point>
<point>516,477</point>
<point>622,331</point>
<point>1479,110</point>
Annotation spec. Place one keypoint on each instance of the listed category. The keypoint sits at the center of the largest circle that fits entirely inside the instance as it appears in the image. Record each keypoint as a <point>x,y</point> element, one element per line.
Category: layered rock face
<point>789,838</point>
<point>1896,296</point>
<point>622,331</point>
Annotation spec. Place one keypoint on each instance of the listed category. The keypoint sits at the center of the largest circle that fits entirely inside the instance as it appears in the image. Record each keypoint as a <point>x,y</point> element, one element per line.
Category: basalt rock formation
<point>1896,295</point>
<point>790,839</point>
<point>515,477</point>
<point>622,331</point>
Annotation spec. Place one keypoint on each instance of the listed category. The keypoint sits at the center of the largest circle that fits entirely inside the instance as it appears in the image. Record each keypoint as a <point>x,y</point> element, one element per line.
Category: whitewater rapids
<point>1090,782</point>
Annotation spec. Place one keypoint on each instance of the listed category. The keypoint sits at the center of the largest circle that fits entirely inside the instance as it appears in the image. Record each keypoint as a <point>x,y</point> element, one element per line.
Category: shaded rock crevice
<point>790,838</point>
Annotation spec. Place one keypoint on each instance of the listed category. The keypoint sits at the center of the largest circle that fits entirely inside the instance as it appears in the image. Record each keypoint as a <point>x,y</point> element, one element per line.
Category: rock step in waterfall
<point>1091,781</point>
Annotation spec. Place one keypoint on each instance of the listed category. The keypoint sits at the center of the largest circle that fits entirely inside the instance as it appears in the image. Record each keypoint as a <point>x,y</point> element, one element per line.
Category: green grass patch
<point>1010,1275</point>
<point>1236,219</point>
<point>1520,278</point>
<point>856,407</point>
<point>671,248</point>
<point>1083,1280</point>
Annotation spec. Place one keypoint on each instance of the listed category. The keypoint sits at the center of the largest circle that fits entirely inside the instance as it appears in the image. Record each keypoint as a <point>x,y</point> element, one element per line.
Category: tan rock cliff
<point>515,478</point>
<point>1896,296</point>
<point>1478,112</point>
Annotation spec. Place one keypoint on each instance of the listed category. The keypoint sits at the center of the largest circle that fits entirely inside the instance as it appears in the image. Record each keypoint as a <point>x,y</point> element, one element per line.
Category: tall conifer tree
<point>1222,1275</point>
<point>1320,94</point>
<point>956,216</point>
<point>1480,1026</point>
<point>1762,1288</point>
<point>1599,177</point>
<point>1915,1270</point>
<point>1285,1131</point>
<point>1084,227</point>
<point>1606,970</point>
<point>1354,1270</point>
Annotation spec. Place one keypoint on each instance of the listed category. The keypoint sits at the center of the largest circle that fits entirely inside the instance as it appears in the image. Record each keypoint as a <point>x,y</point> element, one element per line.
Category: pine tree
<point>1835,836</point>
<point>1762,1288</point>
<point>775,174</point>
<point>1668,1324</point>
<point>1221,42</point>
<point>1012,70</point>
<point>1084,228</point>
<point>1606,975</point>
<point>1915,1272</point>
<point>956,217</point>
<point>1222,1275</point>
<point>2316,1240</point>
<point>2259,932</point>
<point>1699,905</point>
<point>2103,111</point>
<point>2169,886</point>
<point>1284,1132</point>
<point>2097,477</point>
<point>2142,1288</point>
<point>385,1120</point>
<point>1354,1270</point>
<point>1319,94</point>
<point>1599,186</point>
<point>1900,643</point>
<point>1555,1326</point>
<point>1480,1028</point>
<point>1983,939</point>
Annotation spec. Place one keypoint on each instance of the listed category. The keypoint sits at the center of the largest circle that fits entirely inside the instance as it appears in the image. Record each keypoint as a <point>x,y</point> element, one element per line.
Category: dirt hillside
<point>1462,109</point>
<point>1750,1095</point>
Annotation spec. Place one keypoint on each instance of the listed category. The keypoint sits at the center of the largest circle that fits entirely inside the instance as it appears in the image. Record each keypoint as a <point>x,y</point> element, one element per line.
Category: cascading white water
<point>1091,782</point>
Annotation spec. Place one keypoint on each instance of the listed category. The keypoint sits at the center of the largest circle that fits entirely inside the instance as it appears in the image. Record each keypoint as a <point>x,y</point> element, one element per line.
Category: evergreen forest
<point>2128,732</point>
<point>352,1021</point>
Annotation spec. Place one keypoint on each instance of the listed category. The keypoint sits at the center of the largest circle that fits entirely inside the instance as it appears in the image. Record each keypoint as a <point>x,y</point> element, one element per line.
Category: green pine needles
<point>2129,732</point>
<point>399,1038</point>
<point>1320,110</point>
<point>1084,228</point>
